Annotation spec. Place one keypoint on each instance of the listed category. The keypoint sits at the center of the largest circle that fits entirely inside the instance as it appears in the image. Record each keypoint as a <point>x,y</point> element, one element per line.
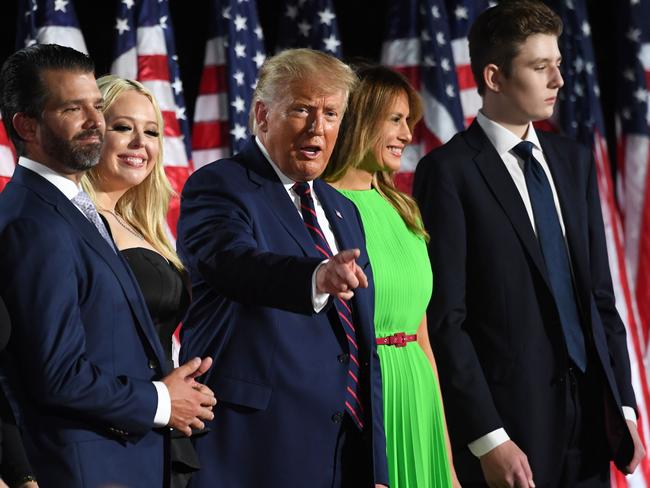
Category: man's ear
<point>25,126</point>
<point>492,77</point>
<point>261,114</point>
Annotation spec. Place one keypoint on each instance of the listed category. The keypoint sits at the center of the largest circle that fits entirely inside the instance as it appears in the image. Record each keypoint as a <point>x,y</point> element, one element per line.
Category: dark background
<point>361,28</point>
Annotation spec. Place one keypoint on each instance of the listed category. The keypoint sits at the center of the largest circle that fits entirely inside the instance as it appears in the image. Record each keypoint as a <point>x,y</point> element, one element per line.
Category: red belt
<point>398,340</point>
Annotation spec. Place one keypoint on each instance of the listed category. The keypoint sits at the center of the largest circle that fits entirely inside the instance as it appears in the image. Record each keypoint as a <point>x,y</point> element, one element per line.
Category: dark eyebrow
<point>546,60</point>
<point>81,101</point>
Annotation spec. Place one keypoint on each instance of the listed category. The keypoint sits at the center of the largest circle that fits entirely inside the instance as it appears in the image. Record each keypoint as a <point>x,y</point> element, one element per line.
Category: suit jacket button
<point>152,364</point>
<point>343,358</point>
<point>337,418</point>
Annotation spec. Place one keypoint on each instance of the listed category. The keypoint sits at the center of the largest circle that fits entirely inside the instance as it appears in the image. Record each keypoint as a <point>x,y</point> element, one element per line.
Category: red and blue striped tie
<point>352,397</point>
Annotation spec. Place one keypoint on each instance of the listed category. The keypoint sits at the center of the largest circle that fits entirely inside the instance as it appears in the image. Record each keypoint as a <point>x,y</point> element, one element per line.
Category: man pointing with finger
<point>281,296</point>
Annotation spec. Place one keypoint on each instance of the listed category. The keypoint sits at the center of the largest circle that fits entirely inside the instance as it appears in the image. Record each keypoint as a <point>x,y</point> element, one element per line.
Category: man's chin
<point>84,158</point>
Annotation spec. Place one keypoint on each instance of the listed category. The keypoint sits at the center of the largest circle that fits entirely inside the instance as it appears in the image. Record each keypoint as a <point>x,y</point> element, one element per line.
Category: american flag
<point>233,55</point>
<point>633,127</point>
<point>48,22</point>
<point>44,22</point>
<point>309,24</point>
<point>417,44</point>
<point>462,14</point>
<point>144,51</point>
<point>581,118</point>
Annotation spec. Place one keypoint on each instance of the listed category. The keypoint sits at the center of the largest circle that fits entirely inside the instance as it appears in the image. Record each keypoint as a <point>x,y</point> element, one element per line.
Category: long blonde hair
<point>143,206</point>
<point>368,108</point>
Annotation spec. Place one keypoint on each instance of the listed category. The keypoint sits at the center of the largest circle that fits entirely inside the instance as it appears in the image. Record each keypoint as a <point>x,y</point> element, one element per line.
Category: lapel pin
<point>338,214</point>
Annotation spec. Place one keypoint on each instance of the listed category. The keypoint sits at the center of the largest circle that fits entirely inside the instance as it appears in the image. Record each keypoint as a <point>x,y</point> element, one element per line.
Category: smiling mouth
<point>133,161</point>
<point>396,151</point>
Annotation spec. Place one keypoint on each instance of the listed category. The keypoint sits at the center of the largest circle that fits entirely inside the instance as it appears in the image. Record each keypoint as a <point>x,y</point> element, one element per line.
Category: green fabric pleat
<point>414,421</point>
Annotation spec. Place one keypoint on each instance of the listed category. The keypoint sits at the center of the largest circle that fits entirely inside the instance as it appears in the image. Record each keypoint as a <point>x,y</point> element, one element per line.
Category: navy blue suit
<point>493,324</point>
<point>83,350</point>
<point>279,368</point>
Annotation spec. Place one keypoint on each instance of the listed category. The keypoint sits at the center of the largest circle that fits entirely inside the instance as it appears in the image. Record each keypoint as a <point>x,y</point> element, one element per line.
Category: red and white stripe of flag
<point>7,157</point>
<point>211,131</point>
<point>634,182</point>
<point>470,100</point>
<point>62,35</point>
<point>625,303</point>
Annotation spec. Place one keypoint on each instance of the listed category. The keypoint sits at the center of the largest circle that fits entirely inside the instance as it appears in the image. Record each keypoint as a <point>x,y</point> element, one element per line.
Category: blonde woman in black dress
<point>132,193</point>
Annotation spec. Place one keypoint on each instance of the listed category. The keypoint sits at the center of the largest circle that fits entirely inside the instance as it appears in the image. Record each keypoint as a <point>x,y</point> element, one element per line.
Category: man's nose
<point>316,126</point>
<point>94,119</point>
<point>557,81</point>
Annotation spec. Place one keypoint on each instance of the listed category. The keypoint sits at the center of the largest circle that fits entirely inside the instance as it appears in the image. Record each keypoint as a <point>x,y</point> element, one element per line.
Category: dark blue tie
<point>352,399</point>
<point>554,250</point>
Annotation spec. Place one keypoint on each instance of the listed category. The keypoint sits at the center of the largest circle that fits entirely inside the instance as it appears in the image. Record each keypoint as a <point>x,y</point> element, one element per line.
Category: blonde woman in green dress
<point>377,127</point>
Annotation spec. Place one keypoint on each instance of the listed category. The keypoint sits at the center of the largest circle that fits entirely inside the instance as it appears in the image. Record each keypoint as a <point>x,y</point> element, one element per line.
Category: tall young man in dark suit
<point>282,302</point>
<point>532,352</point>
<point>85,364</point>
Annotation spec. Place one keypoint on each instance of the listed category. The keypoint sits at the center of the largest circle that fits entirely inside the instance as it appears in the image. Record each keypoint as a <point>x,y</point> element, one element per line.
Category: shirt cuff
<point>629,414</point>
<point>318,300</point>
<point>164,408</point>
<point>489,441</point>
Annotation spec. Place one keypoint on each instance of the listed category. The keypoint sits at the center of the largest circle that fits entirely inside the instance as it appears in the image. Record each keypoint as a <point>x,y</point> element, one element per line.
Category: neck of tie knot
<point>301,188</point>
<point>83,199</point>
<point>524,150</point>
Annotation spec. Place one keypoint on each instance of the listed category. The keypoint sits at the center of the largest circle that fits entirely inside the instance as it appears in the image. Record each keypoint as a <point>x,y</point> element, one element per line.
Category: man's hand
<point>639,451</point>
<point>506,466</point>
<point>191,401</point>
<point>341,275</point>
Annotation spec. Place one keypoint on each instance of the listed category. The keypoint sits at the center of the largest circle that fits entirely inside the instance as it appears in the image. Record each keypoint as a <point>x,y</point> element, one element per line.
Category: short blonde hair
<point>370,103</point>
<point>286,68</point>
<point>144,206</point>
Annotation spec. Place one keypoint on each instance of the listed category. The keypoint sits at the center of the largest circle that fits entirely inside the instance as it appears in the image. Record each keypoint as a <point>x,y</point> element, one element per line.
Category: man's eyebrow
<point>75,101</point>
<point>546,60</point>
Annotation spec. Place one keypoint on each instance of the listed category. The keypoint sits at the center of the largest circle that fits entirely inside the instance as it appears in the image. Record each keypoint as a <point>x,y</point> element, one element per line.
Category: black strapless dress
<point>167,299</point>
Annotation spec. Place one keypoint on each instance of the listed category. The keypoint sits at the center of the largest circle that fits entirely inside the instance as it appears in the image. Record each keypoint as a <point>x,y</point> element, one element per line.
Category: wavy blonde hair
<point>143,206</point>
<point>368,108</point>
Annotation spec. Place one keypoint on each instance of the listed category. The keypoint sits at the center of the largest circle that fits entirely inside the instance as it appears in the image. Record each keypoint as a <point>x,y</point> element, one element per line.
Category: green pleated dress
<point>413,412</point>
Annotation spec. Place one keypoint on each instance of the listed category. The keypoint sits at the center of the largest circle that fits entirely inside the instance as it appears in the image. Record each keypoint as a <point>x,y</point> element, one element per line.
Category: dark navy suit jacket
<point>83,348</point>
<point>493,323</point>
<point>279,368</point>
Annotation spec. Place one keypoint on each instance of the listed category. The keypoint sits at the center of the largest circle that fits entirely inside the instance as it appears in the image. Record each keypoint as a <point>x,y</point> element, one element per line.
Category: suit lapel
<point>276,197</point>
<point>87,231</point>
<point>500,182</point>
<point>563,180</point>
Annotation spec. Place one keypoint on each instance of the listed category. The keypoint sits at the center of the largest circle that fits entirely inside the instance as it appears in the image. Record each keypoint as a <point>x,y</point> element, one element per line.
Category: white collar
<point>501,138</point>
<point>65,185</point>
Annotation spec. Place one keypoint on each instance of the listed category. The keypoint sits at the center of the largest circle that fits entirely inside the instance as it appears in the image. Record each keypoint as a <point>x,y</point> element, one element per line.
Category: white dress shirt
<point>504,142</point>
<point>70,189</point>
<point>319,300</point>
